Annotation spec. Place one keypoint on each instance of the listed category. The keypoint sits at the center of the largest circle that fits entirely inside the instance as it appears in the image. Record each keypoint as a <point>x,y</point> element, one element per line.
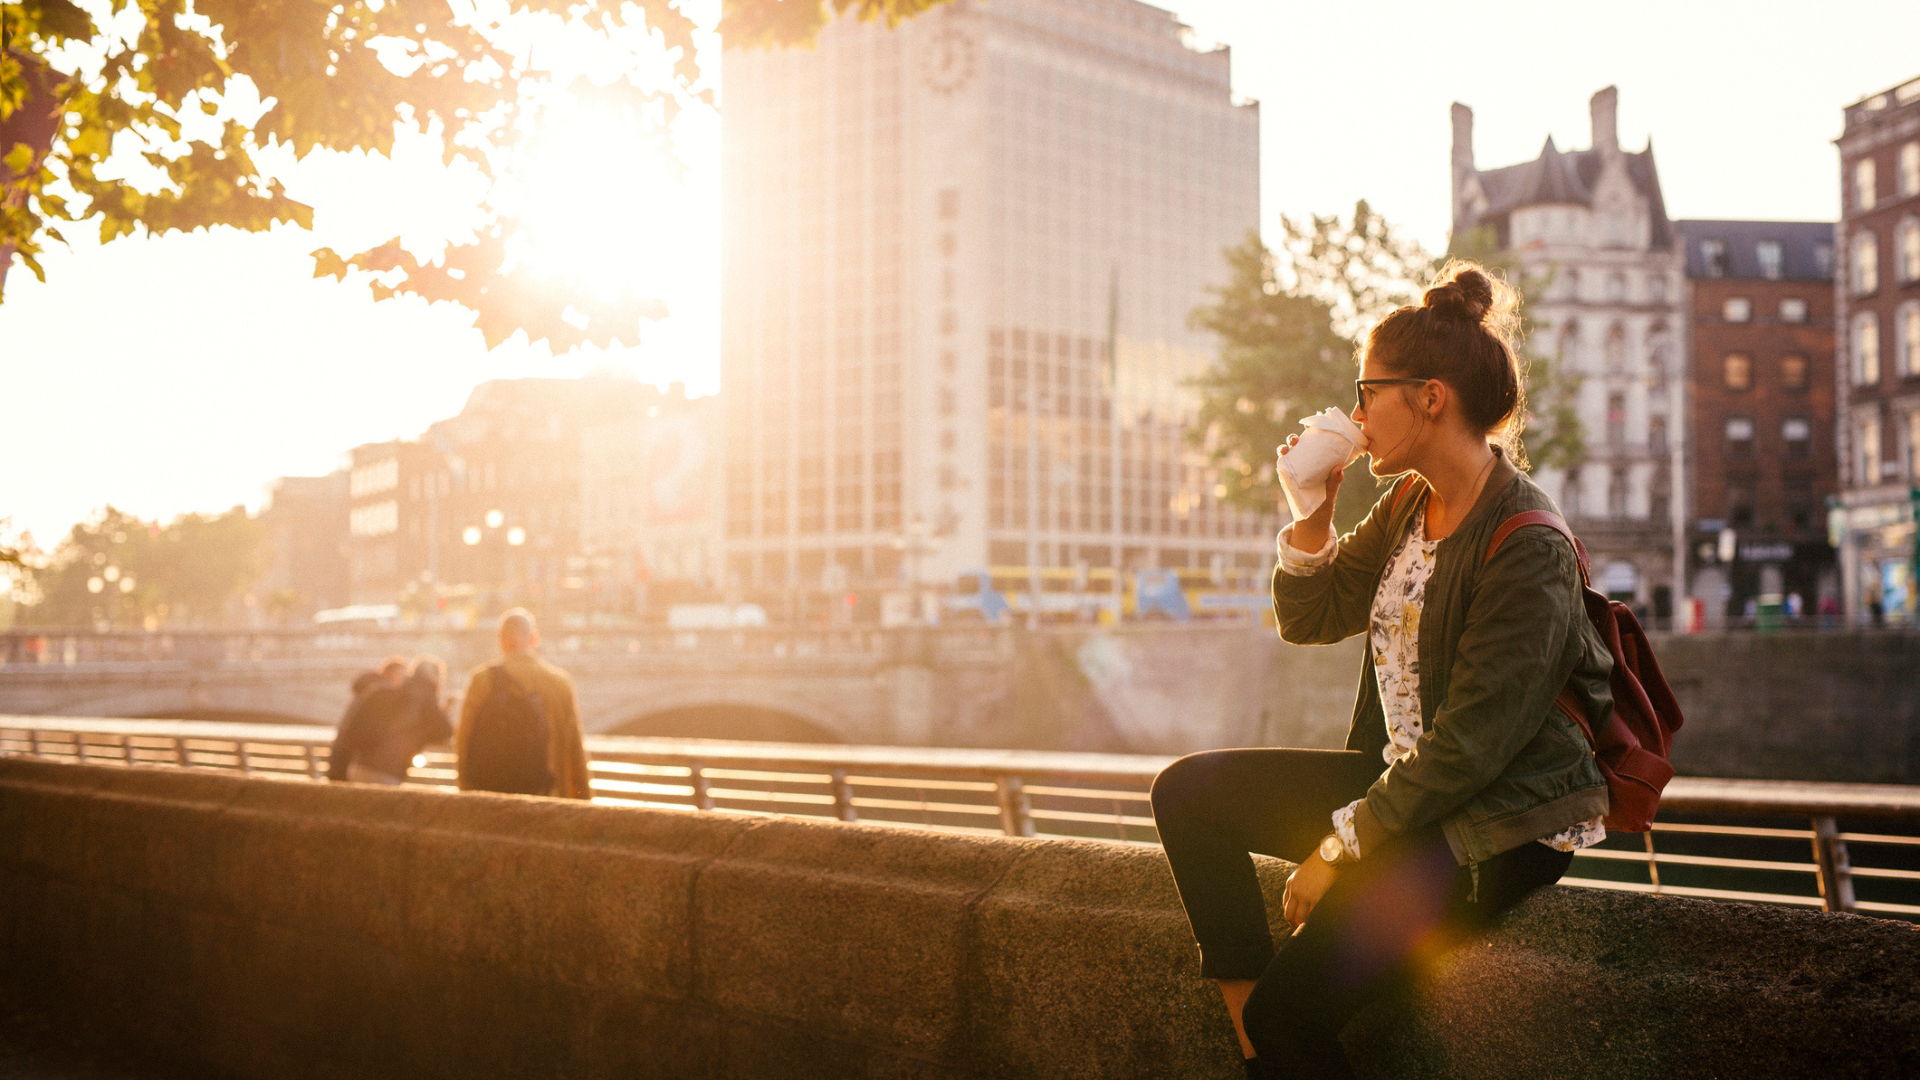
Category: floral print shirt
<point>1394,631</point>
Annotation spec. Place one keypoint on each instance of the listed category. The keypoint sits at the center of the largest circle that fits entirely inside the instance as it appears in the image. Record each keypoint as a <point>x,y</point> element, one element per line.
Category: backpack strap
<point>1539,517</point>
<point>1400,492</point>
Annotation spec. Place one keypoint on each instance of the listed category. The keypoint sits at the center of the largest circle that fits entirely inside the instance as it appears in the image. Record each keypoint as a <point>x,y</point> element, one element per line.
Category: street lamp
<point>515,536</point>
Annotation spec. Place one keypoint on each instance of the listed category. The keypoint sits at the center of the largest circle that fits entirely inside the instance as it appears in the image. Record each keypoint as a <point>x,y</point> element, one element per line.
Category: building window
<point>1866,264</point>
<point>1823,259</point>
<point>1908,243</point>
<point>1740,503</point>
<point>1770,256</point>
<point>1713,255</point>
<point>1906,339</point>
<point>1737,371</point>
<point>1657,434</point>
<point>1737,309</point>
<point>1910,169</point>
<point>1866,349</point>
<point>1657,288</point>
<point>1866,450</point>
<point>1616,419</point>
<point>1616,288</point>
<point>1913,445</point>
<point>1617,494</point>
<point>1864,186</point>
<point>1793,373</point>
<point>1797,433</point>
<point>1793,309</point>
<point>1739,436</point>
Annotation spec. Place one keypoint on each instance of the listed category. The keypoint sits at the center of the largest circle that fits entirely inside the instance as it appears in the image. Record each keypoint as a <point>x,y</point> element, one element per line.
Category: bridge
<point>1837,706</point>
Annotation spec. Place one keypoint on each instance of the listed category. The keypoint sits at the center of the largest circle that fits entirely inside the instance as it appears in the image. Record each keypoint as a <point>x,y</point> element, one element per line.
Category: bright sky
<point>183,373</point>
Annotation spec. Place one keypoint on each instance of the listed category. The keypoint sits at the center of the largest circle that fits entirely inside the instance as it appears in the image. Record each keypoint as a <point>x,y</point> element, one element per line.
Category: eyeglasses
<point>1361,396</point>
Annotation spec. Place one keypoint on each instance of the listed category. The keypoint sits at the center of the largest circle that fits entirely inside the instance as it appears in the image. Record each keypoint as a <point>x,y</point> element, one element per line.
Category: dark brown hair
<point>1462,333</point>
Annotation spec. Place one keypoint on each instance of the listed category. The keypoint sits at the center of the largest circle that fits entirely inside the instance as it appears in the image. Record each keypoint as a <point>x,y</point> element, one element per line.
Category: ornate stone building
<point>1592,225</point>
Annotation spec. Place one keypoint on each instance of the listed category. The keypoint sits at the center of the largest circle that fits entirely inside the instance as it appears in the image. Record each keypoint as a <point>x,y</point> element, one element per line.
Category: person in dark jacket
<point>387,725</point>
<point>1462,787</point>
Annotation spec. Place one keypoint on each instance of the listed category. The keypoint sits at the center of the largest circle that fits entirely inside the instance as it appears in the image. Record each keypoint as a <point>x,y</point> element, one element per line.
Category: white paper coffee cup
<point>1331,441</point>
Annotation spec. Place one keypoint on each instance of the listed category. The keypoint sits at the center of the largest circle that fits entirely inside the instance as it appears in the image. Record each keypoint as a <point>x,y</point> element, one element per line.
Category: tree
<point>1290,323</point>
<point>92,88</point>
<point>1280,359</point>
<point>115,570</point>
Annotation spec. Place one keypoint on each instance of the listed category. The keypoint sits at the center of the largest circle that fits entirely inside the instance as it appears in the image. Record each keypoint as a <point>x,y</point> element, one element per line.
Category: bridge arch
<point>208,701</point>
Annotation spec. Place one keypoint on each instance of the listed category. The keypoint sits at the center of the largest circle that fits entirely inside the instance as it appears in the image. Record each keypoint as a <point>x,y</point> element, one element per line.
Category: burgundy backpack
<point>1633,744</point>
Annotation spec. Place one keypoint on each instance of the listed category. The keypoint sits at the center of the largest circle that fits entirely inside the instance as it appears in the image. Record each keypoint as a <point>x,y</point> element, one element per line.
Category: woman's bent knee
<point>1180,783</point>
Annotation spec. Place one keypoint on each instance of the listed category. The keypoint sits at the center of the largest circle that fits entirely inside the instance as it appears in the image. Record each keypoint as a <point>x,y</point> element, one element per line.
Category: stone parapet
<point>280,930</point>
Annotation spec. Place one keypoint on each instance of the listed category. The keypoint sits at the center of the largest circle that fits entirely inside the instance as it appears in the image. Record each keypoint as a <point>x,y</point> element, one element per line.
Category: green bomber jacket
<point>1497,763</point>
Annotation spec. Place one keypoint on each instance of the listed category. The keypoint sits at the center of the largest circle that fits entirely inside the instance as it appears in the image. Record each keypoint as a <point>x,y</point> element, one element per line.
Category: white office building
<point>932,235</point>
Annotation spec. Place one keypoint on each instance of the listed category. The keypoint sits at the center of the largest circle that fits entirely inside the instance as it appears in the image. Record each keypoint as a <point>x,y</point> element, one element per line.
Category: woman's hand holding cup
<point>1312,532</point>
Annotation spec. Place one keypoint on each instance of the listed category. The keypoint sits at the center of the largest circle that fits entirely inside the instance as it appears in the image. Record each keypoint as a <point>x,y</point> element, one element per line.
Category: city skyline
<point>159,398</point>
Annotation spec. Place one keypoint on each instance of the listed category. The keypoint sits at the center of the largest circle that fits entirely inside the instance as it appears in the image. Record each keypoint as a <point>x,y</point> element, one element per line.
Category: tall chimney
<point>1462,154</point>
<point>1605,110</point>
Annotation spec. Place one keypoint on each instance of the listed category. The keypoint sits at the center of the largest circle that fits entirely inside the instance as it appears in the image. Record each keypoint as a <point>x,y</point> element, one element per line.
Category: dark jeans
<point>1404,900</point>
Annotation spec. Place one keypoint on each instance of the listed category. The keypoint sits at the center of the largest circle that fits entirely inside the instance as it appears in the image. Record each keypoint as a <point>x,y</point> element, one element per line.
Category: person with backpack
<point>394,716</point>
<point>519,730</point>
<point>1469,778</point>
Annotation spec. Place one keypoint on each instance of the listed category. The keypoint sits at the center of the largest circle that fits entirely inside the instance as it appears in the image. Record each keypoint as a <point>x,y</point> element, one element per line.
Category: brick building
<point>306,523</point>
<point>489,507</point>
<point>1760,451</point>
<point>390,535</point>
<point>1877,327</point>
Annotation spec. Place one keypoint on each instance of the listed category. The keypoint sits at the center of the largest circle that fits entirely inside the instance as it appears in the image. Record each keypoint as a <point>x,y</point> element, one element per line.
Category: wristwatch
<point>1332,851</point>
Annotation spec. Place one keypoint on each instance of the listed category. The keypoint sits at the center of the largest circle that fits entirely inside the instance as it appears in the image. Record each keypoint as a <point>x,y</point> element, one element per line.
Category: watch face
<point>949,59</point>
<point>1331,849</point>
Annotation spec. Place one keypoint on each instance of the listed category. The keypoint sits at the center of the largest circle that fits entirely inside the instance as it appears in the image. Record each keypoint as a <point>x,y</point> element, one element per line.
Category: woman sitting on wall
<point>1461,787</point>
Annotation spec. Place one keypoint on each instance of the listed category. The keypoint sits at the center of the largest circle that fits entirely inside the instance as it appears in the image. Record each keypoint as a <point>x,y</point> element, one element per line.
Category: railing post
<point>33,741</point>
<point>126,748</point>
<point>1016,810</point>
<point>79,748</point>
<point>240,755</point>
<point>1830,855</point>
<point>313,763</point>
<point>180,755</point>
<point>843,807</point>
<point>702,796</point>
<point>1653,862</point>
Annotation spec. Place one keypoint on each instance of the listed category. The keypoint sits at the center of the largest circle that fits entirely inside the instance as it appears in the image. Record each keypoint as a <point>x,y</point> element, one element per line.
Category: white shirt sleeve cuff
<point>1343,828</point>
<point>1299,563</point>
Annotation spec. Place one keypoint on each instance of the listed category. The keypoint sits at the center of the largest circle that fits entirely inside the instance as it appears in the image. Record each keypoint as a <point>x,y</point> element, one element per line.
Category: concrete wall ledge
<point>283,930</point>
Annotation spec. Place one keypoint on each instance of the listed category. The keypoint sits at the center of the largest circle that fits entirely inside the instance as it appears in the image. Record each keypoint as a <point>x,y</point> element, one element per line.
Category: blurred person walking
<point>519,727</point>
<point>1487,787</point>
<point>395,717</point>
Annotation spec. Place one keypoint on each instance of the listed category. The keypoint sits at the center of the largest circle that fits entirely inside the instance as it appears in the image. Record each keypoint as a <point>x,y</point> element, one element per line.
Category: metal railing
<point>1761,841</point>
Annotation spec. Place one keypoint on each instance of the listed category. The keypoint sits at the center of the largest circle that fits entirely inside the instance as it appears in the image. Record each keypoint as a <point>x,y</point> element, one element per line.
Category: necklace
<point>1478,481</point>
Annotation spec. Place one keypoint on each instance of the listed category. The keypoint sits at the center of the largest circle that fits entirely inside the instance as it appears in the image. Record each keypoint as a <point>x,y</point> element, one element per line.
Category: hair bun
<point>1467,295</point>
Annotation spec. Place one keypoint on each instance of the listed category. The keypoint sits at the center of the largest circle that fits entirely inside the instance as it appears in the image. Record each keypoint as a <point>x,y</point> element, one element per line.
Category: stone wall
<point>283,930</point>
